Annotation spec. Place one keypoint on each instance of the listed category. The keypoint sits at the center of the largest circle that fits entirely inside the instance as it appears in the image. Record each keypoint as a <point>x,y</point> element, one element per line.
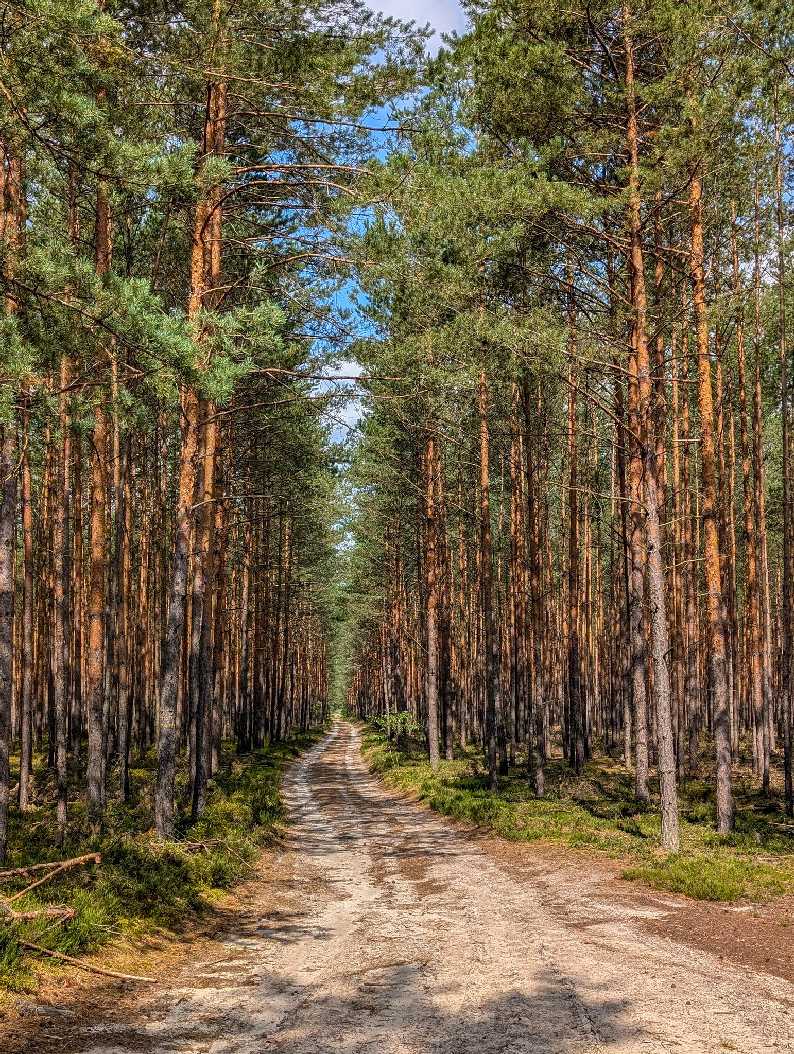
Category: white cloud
<point>443,15</point>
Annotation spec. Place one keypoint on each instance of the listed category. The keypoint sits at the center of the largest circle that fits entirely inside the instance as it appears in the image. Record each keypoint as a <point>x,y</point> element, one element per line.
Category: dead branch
<point>55,911</point>
<point>85,965</point>
<point>66,865</point>
<point>19,871</point>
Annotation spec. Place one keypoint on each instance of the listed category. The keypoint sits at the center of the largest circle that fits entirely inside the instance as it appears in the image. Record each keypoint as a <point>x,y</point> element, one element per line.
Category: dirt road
<point>387,930</point>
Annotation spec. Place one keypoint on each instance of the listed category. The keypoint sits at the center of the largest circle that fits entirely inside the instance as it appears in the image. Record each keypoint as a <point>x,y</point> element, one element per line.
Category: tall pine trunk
<point>431,471</point>
<point>205,247</point>
<point>8,512</point>
<point>492,685</point>
<point>657,594</point>
<point>717,644</point>
<point>26,708</point>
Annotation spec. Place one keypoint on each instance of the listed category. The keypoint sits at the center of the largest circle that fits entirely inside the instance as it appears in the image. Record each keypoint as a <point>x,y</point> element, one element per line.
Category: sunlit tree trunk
<point>431,482</point>
<point>650,470</point>
<point>493,688</point>
<point>711,547</point>
<point>201,270</point>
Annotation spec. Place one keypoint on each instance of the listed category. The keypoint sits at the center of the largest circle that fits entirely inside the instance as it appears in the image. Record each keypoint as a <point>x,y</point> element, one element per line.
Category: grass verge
<point>598,812</point>
<point>142,886</point>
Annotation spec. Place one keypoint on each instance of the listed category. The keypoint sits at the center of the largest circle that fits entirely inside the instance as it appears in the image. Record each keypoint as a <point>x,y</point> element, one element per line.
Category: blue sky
<point>443,15</point>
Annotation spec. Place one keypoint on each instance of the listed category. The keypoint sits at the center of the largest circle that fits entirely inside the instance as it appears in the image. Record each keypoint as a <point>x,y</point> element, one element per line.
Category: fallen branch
<point>241,858</point>
<point>17,872</point>
<point>185,847</point>
<point>84,965</point>
<point>61,913</point>
<point>213,843</point>
<point>67,865</point>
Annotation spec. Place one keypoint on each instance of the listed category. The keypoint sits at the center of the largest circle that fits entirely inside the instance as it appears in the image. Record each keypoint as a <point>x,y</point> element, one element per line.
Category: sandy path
<point>392,932</point>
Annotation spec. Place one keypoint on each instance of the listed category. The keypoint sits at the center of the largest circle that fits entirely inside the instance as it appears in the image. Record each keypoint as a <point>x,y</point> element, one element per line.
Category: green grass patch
<point>718,877</point>
<point>143,886</point>
<point>598,812</point>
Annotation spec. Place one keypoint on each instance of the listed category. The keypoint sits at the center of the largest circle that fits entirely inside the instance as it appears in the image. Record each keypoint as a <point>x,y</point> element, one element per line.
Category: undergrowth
<point>599,812</point>
<point>142,886</point>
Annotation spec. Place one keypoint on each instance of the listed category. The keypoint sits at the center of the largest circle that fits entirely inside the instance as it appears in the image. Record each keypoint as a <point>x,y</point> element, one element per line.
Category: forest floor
<point>143,894</point>
<point>380,926</point>
<point>599,811</point>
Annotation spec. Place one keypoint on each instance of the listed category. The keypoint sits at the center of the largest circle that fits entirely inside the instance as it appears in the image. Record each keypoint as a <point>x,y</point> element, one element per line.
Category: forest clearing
<point>396,526</point>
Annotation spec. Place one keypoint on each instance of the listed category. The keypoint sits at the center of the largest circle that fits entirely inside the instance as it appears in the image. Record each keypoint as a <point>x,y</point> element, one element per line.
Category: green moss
<point>598,812</point>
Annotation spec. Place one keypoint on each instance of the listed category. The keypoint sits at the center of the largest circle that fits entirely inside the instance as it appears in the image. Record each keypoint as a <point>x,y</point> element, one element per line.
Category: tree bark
<point>491,637</point>
<point>165,817</point>
<point>649,468</point>
<point>59,642</point>
<point>28,658</point>
<point>8,513</point>
<point>431,470</point>
<point>711,547</point>
<point>204,265</point>
<point>753,623</point>
<point>96,621</point>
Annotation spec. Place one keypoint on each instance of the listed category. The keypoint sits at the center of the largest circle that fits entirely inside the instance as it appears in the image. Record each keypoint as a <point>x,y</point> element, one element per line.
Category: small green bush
<point>15,976</point>
<point>401,725</point>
